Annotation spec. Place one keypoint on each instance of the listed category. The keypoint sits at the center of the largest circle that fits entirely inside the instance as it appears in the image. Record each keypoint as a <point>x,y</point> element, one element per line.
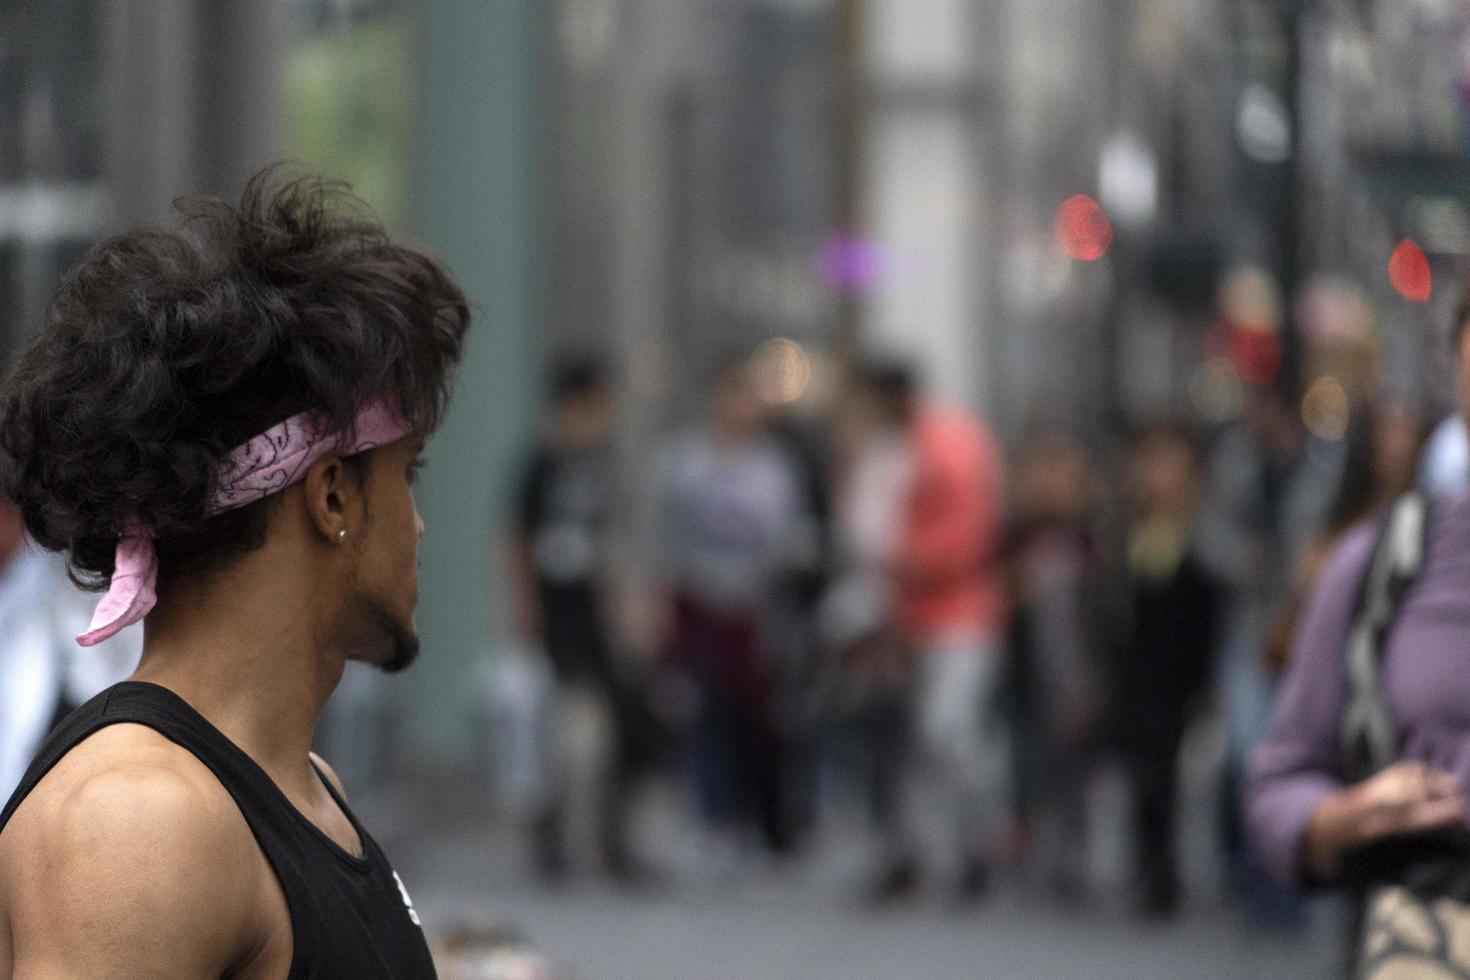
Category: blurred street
<point>790,930</point>
<point>801,922</point>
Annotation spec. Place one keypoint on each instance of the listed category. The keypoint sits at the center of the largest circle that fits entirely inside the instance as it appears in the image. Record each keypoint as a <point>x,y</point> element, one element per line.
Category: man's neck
<point>249,655</point>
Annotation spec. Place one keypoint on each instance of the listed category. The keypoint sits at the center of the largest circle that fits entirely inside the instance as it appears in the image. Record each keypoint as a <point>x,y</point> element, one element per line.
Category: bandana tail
<point>132,592</point>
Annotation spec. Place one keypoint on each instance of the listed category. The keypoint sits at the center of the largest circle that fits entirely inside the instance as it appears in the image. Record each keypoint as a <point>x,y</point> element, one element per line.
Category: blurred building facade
<point>666,181</point>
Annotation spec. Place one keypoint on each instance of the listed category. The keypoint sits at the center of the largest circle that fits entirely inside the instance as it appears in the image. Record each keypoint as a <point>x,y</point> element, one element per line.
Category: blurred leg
<point>585,734</point>
<point>1155,781</point>
<point>1062,829</point>
<point>547,825</point>
<point>711,762</point>
<point>886,734</point>
<point>620,780</point>
<point>956,680</point>
<point>890,756</point>
<point>769,762</point>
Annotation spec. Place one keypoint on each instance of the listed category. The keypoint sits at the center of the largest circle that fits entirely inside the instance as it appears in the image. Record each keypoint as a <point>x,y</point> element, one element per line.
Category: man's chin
<point>393,647</point>
<point>405,652</point>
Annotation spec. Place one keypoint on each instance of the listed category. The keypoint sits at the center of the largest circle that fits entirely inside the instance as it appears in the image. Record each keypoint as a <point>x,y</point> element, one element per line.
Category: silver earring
<point>341,535</point>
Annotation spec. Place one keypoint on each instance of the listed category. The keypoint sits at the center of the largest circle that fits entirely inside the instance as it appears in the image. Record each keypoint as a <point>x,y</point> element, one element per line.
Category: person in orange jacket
<point>947,600</point>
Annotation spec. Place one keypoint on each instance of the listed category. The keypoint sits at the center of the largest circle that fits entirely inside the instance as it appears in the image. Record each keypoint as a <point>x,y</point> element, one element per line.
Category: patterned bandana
<point>266,465</point>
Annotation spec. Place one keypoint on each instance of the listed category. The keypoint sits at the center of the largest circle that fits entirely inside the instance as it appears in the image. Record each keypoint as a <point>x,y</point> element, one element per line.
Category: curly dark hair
<point>168,347</point>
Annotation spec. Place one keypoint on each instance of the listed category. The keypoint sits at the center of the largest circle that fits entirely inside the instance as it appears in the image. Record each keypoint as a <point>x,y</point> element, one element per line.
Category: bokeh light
<point>1250,297</point>
<point>1408,271</point>
<point>1083,229</point>
<point>851,263</point>
<point>782,371</point>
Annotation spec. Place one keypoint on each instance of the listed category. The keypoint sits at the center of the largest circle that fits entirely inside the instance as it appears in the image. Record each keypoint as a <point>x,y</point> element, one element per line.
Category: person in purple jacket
<point>1303,815</point>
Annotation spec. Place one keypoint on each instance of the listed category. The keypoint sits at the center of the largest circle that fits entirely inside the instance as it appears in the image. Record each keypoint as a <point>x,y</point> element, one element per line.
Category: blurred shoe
<point>1160,901</point>
<point>973,884</point>
<point>896,882</point>
<point>548,857</point>
<point>629,872</point>
<point>1068,891</point>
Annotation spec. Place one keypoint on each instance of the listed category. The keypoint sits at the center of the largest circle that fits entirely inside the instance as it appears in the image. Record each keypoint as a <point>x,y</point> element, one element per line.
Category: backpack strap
<point>1369,741</point>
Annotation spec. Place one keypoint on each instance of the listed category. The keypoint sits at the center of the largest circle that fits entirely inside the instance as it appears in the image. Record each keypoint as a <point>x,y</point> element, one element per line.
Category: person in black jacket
<point>563,524</point>
<point>1167,651</point>
<point>1054,682</point>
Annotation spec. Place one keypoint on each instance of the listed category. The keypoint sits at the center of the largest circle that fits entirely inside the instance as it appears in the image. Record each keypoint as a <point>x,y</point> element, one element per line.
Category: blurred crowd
<point>877,601</point>
<point>872,599</point>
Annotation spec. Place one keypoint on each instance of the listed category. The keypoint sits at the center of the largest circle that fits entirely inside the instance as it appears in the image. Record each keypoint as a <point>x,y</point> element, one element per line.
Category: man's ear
<point>331,495</point>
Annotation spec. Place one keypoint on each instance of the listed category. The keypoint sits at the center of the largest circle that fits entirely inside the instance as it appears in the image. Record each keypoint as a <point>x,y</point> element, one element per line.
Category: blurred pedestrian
<point>1382,462</point>
<point>1269,488</point>
<point>864,689</point>
<point>565,516</point>
<point>944,577</point>
<point>1176,608</point>
<point>1360,782</point>
<point>1379,461</point>
<point>1383,448</point>
<point>731,504</point>
<point>1055,682</point>
<point>1444,466</point>
<point>797,659</point>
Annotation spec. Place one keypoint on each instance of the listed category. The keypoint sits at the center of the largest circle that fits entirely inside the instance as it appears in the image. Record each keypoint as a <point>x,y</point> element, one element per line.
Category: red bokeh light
<point>1083,230</point>
<point>1408,271</point>
<point>1253,354</point>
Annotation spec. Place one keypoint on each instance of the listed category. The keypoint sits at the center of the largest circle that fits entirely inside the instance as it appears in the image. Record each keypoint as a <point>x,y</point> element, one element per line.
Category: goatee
<point>402,640</point>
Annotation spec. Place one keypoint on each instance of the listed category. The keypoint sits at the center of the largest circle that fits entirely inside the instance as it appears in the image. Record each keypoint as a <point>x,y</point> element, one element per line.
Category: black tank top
<point>351,917</point>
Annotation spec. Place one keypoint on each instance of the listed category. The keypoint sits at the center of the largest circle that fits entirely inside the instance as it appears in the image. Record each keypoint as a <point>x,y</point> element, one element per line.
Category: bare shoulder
<point>130,843</point>
<point>329,774</point>
<point>124,778</point>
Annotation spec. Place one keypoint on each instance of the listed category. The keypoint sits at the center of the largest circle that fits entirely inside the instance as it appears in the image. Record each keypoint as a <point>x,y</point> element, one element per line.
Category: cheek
<point>411,538</point>
<point>398,548</point>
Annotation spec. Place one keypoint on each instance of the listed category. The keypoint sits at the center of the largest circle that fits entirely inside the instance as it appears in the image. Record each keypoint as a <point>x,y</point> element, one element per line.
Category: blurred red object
<point>1082,229</point>
<point>1253,353</point>
<point>1408,271</point>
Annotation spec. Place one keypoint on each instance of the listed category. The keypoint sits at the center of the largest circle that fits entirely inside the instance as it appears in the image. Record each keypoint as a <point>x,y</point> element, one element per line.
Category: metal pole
<point>479,207</point>
<point>1289,230</point>
<point>1124,259</point>
<point>848,143</point>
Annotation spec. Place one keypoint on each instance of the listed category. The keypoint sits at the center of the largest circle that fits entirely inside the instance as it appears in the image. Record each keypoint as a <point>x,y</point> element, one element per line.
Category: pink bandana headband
<point>267,464</point>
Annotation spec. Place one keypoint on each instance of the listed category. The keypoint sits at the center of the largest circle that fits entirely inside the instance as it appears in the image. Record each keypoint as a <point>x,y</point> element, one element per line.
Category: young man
<point>223,420</point>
